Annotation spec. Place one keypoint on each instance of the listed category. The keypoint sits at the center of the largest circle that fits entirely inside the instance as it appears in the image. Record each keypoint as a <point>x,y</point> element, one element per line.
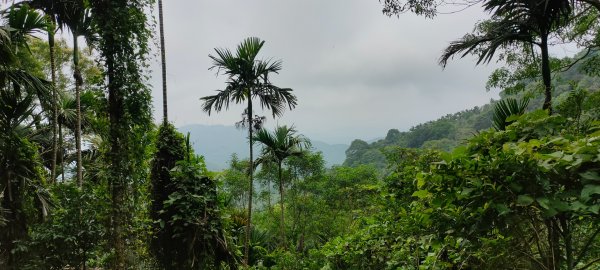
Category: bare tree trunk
<point>54,105</point>
<point>567,236</point>
<point>117,179</point>
<point>163,60</point>
<point>282,225</point>
<point>78,83</point>
<point>553,258</point>
<point>251,187</point>
<point>546,75</point>
<point>269,201</point>
<point>62,152</point>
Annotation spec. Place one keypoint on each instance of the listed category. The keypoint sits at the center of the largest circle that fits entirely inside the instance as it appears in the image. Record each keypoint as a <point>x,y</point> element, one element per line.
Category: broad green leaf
<point>590,175</point>
<point>466,191</point>
<point>524,200</point>
<point>421,194</point>
<point>502,209</point>
<point>549,212</point>
<point>544,202</point>
<point>589,190</point>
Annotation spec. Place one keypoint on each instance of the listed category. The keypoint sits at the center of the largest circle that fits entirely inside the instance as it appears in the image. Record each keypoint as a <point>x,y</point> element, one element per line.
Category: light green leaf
<point>421,194</point>
<point>557,154</point>
<point>420,181</point>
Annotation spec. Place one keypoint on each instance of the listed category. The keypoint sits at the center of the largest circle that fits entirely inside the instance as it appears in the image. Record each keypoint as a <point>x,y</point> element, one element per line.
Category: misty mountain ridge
<point>218,142</point>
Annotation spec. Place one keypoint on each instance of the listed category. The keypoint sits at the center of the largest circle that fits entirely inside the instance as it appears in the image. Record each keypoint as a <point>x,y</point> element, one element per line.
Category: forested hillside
<point>452,130</point>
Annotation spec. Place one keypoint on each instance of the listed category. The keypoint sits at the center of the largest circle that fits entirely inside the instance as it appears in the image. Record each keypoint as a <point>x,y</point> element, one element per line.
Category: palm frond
<point>274,98</point>
<point>506,108</point>
<point>546,13</point>
<point>224,61</point>
<point>493,35</point>
<point>7,56</point>
<point>25,21</point>
<point>16,111</point>
<point>249,48</point>
<point>217,102</point>
<point>67,110</point>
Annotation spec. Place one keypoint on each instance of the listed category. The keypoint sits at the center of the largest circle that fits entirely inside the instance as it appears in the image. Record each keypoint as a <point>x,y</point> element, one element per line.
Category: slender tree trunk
<point>553,258</point>
<point>117,178</point>
<point>546,74</point>
<point>54,104</point>
<point>62,152</point>
<point>78,83</point>
<point>16,227</point>
<point>269,199</point>
<point>251,187</point>
<point>282,225</point>
<point>567,236</point>
<point>163,60</point>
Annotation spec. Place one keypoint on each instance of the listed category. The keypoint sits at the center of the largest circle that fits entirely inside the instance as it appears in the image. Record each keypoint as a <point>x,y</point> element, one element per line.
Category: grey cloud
<point>356,72</point>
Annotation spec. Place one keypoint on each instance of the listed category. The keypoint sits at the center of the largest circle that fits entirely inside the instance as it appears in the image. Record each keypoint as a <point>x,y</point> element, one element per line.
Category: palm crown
<point>248,77</point>
<point>280,144</point>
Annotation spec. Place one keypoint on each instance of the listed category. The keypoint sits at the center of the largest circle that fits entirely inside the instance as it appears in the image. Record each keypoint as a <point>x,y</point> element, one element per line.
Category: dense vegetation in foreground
<point>86,179</point>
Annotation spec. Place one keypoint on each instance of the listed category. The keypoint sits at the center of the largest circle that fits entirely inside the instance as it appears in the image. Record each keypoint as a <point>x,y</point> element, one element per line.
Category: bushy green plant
<point>72,234</point>
<point>170,148</point>
<point>528,197</point>
<point>194,218</point>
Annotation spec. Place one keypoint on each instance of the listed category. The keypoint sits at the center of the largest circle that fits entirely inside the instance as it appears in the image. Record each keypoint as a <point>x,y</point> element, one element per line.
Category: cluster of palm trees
<point>248,78</point>
<point>31,107</point>
<point>20,92</point>
<point>63,15</point>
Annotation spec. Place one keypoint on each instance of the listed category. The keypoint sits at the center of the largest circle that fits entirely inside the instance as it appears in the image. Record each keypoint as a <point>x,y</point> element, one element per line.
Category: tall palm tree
<point>248,78</point>
<point>50,8</point>
<point>515,22</point>
<point>163,60</point>
<point>277,147</point>
<point>77,17</point>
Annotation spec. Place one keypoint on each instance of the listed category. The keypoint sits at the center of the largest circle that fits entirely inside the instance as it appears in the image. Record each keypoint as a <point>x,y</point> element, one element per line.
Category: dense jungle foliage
<point>87,181</point>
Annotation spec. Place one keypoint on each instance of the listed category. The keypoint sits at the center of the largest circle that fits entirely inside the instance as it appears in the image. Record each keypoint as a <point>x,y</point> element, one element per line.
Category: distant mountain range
<point>217,143</point>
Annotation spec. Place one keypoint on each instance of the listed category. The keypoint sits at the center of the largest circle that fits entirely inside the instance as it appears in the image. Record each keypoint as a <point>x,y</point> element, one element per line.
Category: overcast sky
<point>356,72</point>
